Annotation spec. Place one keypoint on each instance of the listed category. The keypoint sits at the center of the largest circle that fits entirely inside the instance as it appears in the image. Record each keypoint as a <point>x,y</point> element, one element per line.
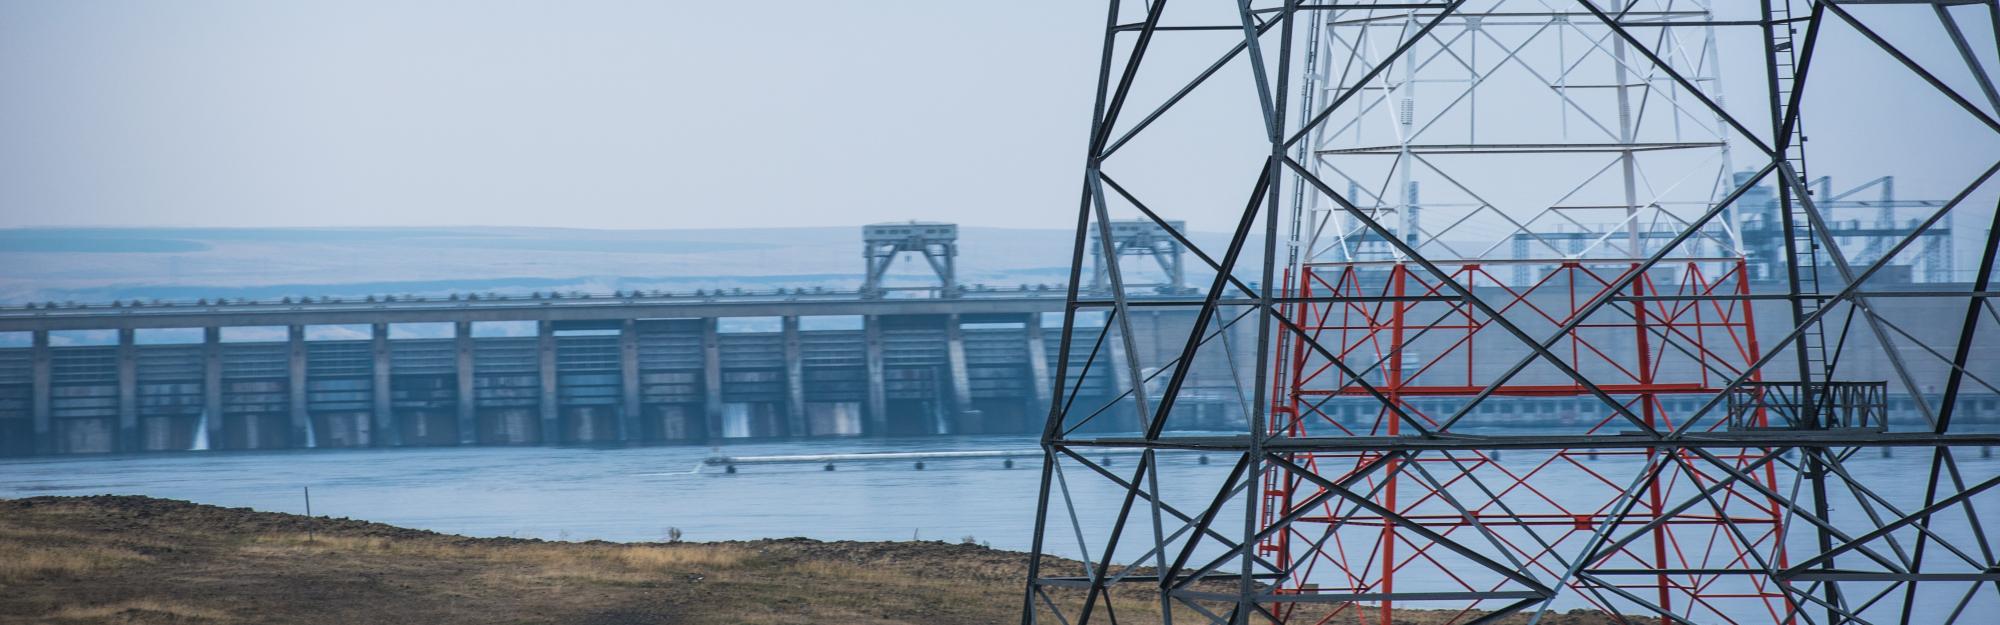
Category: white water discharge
<point>200,433</point>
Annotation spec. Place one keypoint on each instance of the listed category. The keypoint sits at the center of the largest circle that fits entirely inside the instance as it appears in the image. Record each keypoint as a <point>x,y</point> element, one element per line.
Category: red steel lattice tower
<point>1386,345</point>
<point>1429,363</point>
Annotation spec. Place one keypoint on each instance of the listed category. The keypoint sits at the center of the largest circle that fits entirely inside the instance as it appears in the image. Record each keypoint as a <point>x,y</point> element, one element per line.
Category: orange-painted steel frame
<point>1715,335</point>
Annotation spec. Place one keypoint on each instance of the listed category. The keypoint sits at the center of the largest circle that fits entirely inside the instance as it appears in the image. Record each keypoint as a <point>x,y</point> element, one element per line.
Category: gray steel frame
<point>1853,568</point>
<point>940,252</point>
<point>1148,242</point>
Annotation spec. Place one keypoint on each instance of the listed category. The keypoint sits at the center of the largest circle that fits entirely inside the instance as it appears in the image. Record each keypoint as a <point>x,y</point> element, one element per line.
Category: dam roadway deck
<point>519,308</point>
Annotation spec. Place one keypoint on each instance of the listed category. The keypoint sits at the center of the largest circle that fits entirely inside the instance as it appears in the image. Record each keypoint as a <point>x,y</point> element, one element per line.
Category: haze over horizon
<point>604,115</point>
<point>627,115</point>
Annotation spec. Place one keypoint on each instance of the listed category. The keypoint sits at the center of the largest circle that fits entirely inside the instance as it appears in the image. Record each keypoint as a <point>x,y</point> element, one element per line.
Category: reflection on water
<point>637,494</point>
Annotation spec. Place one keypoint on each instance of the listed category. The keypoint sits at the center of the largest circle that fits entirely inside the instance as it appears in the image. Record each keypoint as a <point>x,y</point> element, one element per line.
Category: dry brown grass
<point>614,564</point>
<point>139,611</point>
<point>291,544</point>
<point>20,562</point>
<point>532,562</point>
<point>657,557</point>
<point>137,561</point>
<point>10,532</point>
<point>826,570</point>
<point>37,553</point>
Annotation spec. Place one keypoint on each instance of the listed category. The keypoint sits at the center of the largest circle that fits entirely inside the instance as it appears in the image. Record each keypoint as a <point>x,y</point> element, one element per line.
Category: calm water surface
<point>630,494</point>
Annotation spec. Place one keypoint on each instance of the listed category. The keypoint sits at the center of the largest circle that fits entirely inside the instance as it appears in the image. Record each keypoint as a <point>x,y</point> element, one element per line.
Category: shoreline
<point>141,560</point>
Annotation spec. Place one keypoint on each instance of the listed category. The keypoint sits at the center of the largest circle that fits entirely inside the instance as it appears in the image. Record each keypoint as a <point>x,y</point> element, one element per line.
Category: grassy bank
<point>140,560</point>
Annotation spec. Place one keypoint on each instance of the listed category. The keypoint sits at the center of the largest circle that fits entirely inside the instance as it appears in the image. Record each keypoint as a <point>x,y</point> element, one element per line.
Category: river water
<point>637,494</point>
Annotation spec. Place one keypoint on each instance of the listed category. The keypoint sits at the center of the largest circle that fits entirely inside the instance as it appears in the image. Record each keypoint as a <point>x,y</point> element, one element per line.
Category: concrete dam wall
<point>635,370</point>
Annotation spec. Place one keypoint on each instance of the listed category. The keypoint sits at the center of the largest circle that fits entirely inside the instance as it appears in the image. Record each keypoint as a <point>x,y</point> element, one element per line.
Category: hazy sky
<point>593,114</point>
<point>609,114</point>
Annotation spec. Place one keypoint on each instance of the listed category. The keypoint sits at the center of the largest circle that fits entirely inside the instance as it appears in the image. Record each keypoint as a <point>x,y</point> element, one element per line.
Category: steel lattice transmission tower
<point>1463,213</point>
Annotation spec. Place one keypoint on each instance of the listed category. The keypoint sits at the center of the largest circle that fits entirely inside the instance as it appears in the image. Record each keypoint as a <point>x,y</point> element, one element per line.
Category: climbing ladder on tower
<point>1804,245</point>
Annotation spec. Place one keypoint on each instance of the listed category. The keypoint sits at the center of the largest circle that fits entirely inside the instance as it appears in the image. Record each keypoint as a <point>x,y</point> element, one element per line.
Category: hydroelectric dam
<point>936,357</point>
<point>890,358</point>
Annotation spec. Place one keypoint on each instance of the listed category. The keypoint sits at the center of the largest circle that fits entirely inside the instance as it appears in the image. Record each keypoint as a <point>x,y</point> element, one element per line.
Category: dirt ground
<point>137,560</point>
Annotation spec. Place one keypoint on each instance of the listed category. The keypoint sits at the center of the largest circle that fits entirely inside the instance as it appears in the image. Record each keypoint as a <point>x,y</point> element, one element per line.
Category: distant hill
<point>101,264</point>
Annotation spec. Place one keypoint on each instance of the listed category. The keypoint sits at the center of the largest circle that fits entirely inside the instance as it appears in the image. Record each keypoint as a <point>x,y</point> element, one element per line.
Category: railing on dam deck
<point>550,306</point>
